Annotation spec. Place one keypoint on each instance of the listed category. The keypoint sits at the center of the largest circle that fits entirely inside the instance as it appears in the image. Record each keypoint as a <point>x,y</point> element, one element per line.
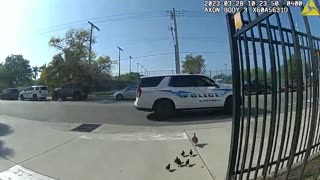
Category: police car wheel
<point>35,97</point>
<point>164,109</point>
<point>55,96</point>
<point>228,105</point>
<point>119,97</point>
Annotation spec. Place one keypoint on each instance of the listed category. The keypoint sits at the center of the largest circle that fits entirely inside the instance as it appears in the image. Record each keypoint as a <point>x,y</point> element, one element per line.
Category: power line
<point>101,20</point>
<point>204,52</point>
<point>121,17</point>
<point>152,55</point>
<point>182,38</point>
<point>98,18</point>
<point>171,53</point>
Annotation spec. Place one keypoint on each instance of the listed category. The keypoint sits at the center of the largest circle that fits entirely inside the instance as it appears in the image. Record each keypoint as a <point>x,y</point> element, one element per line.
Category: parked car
<point>37,92</point>
<point>127,93</point>
<point>292,86</point>
<point>10,94</point>
<point>166,94</point>
<point>76,90</point>
<point>257,87</point>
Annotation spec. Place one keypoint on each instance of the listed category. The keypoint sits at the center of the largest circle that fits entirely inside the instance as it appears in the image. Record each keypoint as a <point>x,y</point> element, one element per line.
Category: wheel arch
<point>163,99</point>
<point>229,96</point>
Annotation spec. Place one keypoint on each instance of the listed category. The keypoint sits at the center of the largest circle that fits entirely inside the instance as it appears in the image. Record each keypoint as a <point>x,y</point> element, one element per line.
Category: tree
<point>3,76</point>
<point>193,64</point>
<point>253,74</point>
<point>103,64</point>
<point>71,63</point>
<point>74,52</point>
<point>132,77</point>
<point>16,71</point>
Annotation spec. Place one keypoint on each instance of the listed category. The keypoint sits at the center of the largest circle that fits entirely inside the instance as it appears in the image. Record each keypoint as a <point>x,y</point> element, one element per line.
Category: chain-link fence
<point>220,75</point>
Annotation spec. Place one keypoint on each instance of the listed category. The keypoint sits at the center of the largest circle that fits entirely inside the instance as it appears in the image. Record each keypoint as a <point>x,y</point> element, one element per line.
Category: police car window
<point>37,88</point>
<point>182,81</point>
<point>44,88</point>
<point>67,85</point>
<point>204,81</point>
<point>132,88</point>
<point>151,81</point>
<point>29,89</point>
<point>12,91</point>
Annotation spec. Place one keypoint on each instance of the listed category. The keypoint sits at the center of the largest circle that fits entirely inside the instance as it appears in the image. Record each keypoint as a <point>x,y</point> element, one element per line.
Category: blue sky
<point>27,25</point>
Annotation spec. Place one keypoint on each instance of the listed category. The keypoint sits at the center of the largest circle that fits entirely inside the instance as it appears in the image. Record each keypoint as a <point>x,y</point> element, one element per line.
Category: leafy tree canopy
<point>193,64</point>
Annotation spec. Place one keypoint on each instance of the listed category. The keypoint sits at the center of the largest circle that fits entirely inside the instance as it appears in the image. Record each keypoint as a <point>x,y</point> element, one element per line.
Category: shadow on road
<point>202,145</point>
<point>4,131</point>
<point>253,111</point>
<point>195,115</point>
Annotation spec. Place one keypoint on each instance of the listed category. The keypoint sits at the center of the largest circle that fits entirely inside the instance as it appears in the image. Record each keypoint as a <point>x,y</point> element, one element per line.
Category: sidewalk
<point>49,151</point>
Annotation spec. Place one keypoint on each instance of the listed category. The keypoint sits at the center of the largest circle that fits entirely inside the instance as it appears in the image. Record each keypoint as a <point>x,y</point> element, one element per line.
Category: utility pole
<point>137,67</point>
<point>145,71</point>
<point>130,63</point>
<point>90,45</point>
<point>119,58</point>
<point>210,73</point>
<point>176,43</point>
<point>141,69</point>
<point>226,68</point>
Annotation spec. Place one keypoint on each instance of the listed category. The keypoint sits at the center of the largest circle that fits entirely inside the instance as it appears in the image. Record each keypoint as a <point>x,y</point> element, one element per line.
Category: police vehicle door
<point>182,91</point>
<point>208,94</point>
<point>28,92</point>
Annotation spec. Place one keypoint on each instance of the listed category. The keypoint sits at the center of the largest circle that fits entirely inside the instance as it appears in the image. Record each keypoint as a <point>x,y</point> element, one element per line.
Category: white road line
<point>140,137</point>
<point>20,173</point>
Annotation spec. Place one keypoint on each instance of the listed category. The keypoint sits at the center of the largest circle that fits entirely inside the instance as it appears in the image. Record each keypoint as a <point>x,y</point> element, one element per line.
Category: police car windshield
<point>204,81</point>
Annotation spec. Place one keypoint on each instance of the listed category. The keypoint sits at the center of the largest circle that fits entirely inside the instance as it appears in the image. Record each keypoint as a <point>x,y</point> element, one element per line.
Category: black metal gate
<point>276,95</point>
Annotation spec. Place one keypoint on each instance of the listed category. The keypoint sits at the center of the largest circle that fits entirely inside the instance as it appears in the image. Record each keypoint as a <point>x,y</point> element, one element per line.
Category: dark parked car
<point>292,86</point>
<point>76,90</point>
<point>260,87</point>
<point>10,94</point>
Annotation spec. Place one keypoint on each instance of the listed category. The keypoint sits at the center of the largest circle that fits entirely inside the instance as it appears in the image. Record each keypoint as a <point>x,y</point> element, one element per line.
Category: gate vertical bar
<point>236,96</point>
<point>248,112</point>
<point>273,101</point>
<point>299,102</point>
<point>264,101</point>
<point>285,121</point>
<point>315,101</point>
<point>255,59</point>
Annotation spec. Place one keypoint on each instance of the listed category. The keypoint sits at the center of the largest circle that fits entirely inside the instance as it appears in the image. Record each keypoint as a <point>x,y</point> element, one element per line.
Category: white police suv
<point>165,94</point>
<point>34,92</point>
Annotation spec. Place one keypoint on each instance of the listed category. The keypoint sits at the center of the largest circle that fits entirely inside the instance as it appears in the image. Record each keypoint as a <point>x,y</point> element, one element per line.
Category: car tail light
<point>139,92</point>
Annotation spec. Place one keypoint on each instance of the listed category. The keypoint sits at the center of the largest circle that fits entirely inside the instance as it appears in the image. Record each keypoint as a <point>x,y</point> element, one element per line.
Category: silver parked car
<point>127,93</point>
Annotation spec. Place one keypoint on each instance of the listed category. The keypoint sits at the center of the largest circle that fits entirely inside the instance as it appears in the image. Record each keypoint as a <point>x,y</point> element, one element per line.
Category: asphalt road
<point>106,110</point>
<point>280,100</point>
<point>102,111</point>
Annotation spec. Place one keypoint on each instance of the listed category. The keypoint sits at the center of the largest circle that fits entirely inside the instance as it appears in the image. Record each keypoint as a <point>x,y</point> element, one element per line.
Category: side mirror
<point>216,85</point>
